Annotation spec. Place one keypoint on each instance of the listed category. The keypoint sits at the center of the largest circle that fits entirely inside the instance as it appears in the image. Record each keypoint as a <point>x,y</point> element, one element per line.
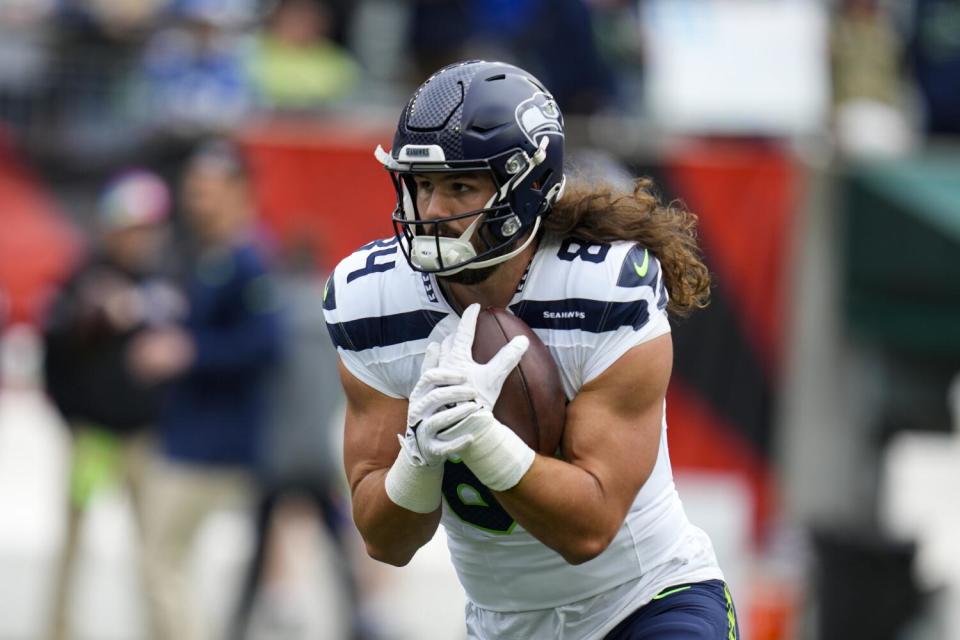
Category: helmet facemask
<point>494,229</point>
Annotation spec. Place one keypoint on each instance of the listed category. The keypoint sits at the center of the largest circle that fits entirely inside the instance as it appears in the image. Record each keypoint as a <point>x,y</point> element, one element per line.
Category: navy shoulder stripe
<point>383,331</point>
<point>662,295</point>
<point>595,316</point>
<point>639,268</point>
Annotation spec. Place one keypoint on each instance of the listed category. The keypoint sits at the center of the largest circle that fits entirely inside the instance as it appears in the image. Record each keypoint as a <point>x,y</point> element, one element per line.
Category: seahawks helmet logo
<point>539,115</point>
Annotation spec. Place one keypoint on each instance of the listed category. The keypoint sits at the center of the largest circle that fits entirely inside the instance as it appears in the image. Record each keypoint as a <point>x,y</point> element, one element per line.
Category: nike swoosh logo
<point>664,594</point>
<point>641,269</point>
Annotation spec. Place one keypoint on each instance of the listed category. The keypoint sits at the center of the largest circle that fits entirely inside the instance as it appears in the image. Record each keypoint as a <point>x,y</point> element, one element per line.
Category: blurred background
<point>814,405</point>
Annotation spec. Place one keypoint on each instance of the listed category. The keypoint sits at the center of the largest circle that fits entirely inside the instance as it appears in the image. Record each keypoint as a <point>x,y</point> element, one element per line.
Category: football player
<point>592,542</point>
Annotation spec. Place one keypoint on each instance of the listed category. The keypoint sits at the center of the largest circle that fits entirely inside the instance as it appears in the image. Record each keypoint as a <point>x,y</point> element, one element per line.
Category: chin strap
<point>424,251</point>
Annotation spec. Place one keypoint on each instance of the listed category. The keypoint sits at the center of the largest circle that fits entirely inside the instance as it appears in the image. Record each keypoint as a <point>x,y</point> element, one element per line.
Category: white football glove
<point>456,356</point>
<point>431,393</point>
<point>415,478</point>
<point>495,454</point>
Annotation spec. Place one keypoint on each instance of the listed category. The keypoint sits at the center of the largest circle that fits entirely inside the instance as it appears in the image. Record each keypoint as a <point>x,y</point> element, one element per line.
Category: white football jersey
<point>589,304</point>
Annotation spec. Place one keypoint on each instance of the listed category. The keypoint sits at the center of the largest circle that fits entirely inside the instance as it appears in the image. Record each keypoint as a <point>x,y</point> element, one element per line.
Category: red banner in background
<point>37,244</point>
<point>744,193</point>
<point>722,402</point>
<point>320,183</point>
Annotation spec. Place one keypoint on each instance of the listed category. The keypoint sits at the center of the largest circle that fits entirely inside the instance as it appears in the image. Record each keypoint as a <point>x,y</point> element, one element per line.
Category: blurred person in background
<point>116,294</point>
<point>553,38</point>
<point>218,361</point>
<point>299,472</point>
<point>934,53</point>
<point>25,61</point>
<point>195,70</point>
<point>121,19</point>
<point>868,89</point>
<point>90,118</point>
<point>296,65</point>
<point>437,33</point>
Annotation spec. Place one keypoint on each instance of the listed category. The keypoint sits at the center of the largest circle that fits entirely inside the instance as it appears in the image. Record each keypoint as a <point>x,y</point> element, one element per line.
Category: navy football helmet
<point>477,116</point>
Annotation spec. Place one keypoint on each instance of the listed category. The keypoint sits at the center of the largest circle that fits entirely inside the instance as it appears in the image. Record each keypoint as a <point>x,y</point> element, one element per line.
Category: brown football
<point>531,402</point>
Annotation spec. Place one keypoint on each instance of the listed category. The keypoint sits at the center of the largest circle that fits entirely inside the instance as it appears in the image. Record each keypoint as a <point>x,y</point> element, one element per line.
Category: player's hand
<point>415,479</point>
<point>454,439</point>
<point>438,401</point>
<point>486,380</point>
<point>495,454</point>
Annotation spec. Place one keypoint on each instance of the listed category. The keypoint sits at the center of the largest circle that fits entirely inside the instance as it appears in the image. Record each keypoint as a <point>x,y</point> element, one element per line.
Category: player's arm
<point>610,446</point>
<point>373,420</point>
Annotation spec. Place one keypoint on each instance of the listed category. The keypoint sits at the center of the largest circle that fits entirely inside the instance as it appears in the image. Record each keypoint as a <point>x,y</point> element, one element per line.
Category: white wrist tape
<point>414,487</point>
<point>497,456</point>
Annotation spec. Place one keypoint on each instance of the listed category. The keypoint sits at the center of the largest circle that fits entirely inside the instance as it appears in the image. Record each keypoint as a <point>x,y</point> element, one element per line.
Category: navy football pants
<point>697,611</point>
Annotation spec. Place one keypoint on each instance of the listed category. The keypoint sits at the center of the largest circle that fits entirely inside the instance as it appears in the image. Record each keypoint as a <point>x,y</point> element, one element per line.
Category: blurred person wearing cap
<point>113,295</point>
<point>217,363</point>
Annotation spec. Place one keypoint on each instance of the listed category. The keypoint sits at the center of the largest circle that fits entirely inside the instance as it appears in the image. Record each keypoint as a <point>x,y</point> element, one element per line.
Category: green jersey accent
<point>731,615</point>
<point>641,269</point>
<point>664,594</point>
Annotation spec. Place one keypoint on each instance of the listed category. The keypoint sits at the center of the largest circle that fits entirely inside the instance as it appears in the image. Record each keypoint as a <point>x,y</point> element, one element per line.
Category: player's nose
<point>436,207</point>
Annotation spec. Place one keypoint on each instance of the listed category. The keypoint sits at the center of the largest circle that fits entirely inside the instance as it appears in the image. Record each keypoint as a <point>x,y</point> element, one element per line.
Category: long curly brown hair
<point>604,213</point>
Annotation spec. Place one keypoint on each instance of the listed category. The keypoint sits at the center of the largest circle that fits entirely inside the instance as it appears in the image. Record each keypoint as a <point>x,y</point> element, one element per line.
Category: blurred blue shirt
<point>215,412</point>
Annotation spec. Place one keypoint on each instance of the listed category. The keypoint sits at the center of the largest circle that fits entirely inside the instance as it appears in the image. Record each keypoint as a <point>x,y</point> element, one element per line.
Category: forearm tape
<point>497,455</point>
<point>414,487</point>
